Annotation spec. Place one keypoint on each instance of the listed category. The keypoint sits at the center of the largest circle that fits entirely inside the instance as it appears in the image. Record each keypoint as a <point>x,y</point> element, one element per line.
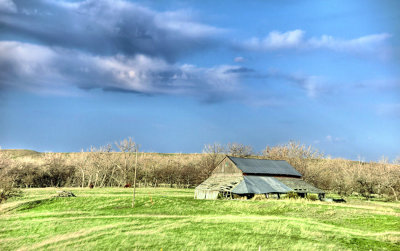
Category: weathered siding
<point>226,167</point>
<point>205,194</point>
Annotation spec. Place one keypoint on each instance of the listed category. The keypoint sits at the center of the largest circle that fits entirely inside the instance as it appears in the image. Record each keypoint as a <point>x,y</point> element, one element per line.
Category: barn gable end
<point>227,167</point>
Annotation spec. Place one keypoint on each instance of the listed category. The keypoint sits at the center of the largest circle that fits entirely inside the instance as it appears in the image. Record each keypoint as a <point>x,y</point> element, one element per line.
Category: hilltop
<point>20,152</point>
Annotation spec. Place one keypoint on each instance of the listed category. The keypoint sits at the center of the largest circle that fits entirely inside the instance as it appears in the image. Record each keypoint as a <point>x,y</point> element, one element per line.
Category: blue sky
<point>176,75</point>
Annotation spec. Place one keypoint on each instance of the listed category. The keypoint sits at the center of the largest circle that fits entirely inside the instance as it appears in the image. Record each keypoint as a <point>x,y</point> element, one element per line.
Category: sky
<point>176,75</point>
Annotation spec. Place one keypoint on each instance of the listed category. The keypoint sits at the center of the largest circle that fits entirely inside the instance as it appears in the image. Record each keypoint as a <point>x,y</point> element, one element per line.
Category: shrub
<point>7,192</point>
<point>312,197</point>
<point>292,195</point>
<point>259,197</point>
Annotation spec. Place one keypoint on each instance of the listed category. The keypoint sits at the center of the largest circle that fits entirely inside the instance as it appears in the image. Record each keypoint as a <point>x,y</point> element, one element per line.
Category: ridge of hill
<point>20,152</point>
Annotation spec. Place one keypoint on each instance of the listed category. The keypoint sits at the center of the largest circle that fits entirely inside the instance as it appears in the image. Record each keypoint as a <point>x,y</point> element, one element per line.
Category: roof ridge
<point>229,156</point>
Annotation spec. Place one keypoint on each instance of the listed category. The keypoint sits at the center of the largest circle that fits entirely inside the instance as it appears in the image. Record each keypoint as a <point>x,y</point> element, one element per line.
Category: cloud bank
<point>122,46</point>
<point>111,45</point>
<point>58,68</point>
<point>108,27</point>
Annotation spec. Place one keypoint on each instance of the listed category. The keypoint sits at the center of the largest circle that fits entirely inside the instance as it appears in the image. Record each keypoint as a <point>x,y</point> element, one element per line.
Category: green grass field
<point>170,219</point>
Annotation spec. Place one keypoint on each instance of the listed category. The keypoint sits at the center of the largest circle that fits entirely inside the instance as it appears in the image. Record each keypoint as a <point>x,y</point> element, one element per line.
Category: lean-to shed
<point>248,176</point>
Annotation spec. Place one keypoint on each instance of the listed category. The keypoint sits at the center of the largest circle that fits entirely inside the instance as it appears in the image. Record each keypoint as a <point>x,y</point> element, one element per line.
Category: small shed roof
<point>260,185</point>
<point>299,185</point>
<point>264,166</point>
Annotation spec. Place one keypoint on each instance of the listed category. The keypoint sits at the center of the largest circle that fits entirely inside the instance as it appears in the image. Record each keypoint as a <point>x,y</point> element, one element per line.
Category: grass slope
<point>16,153</point>
<point>101,219</point>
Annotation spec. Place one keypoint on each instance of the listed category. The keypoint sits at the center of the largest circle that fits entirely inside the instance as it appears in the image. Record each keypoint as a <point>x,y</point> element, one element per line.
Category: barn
<point>235,177</point>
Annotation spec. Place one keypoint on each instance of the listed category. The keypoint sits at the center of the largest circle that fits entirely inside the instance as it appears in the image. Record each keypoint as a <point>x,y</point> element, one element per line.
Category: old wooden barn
<point>247,176</point>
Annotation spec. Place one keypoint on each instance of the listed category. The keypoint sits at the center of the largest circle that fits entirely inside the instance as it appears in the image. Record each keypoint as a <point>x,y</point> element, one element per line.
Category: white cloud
<point>277,40</point>
<point>332,139</point>
<point>8,6</point>
<point>295,39</point>
<point>20,62</point>
<point>182,22</point>
<point>311,84</point>
<point>239,59</point>
<point>370,44</point>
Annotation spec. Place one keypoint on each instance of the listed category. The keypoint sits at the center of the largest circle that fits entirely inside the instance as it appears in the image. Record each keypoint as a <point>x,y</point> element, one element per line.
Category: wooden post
<point>134,179</point>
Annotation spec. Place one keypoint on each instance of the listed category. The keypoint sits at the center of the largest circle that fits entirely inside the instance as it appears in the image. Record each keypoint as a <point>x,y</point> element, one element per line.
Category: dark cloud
<point>115,46</point>
<point>240,70</point>
<point>105,27</point>
<point>46,69</point>
<point>121,90</point>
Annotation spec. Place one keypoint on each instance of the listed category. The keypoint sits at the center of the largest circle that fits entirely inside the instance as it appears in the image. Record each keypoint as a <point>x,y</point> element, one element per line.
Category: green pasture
<point>170,219</point>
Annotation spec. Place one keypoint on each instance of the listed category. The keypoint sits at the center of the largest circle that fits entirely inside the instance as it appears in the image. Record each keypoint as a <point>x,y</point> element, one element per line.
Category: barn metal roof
<point>264,166</point>
<point>260,185</point>
<point>256,184</point>
<point>299,185</point>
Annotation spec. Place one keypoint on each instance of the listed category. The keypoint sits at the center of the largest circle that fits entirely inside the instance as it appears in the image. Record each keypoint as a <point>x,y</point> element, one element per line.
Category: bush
<point>7,192</point>
<point>259,197</point>
<point>292,195</point>
<point>312,197</point>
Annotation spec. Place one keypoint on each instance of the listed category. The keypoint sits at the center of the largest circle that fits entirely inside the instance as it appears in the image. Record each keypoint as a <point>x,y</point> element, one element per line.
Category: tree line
<point>104,167</point>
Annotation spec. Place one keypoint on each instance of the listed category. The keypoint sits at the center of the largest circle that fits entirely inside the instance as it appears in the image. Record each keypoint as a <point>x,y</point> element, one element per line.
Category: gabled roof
<point>264,166</point>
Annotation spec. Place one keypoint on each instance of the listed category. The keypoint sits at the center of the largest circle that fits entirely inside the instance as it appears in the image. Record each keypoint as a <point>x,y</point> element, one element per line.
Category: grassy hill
<point>170,219</point>
<point>20,152</point>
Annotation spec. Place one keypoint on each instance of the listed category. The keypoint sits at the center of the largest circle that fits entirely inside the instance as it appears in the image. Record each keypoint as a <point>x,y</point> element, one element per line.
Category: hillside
<point>20,152</point>
<point>170,219</point>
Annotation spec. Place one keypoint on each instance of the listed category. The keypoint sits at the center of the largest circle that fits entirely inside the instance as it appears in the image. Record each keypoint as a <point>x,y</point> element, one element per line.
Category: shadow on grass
<point>31,204</point>
<point>24,205</point>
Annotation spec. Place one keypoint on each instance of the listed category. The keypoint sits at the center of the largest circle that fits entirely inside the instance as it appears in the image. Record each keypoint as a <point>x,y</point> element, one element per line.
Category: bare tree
<point>101,164</point>
<point>7,178</point>
<point>239,150</point>
<point>295,153</point>
<point>212,155</point>
<point>128,147</point>
<point>291,150</point>
<point>134,178</point>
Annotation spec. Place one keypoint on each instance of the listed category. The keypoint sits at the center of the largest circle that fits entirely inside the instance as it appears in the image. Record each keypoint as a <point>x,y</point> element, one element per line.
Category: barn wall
<point>205,194</point>
<point>226,167</point>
